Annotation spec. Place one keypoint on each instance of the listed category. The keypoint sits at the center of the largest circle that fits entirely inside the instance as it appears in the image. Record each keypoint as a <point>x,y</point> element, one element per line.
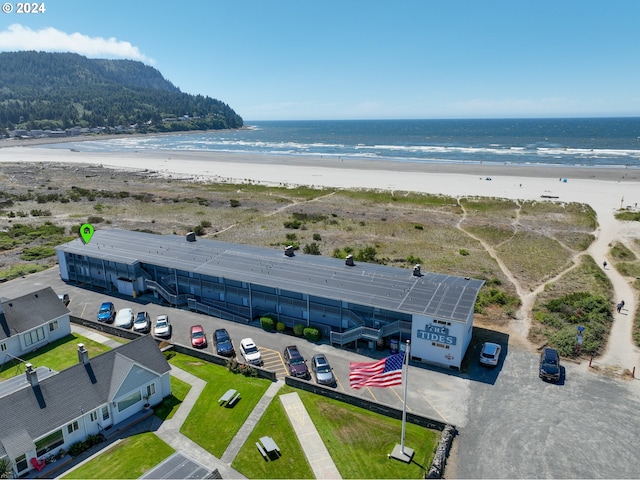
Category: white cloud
<point>18,37</point>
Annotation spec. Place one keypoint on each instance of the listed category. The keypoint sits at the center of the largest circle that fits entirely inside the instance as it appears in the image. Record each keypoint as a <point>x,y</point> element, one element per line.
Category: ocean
<point>590,142</point>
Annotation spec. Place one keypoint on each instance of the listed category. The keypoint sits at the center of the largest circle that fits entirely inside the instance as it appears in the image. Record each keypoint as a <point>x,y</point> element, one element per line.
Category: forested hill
<point>41,90</point>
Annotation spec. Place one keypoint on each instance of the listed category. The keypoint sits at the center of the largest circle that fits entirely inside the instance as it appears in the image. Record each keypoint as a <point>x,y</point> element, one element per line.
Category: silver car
<point>162,327</point>
<point>490,354</point>
<point>322,370</point>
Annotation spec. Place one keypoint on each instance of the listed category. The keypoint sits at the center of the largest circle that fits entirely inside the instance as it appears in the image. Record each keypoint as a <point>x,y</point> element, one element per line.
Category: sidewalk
<point>169,430</point>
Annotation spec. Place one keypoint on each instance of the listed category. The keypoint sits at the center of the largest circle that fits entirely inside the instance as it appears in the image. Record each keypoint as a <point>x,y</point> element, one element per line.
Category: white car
<point>124,318</point>
<point>250,352</point>
<point>490,354</point>
<point>162,327</point>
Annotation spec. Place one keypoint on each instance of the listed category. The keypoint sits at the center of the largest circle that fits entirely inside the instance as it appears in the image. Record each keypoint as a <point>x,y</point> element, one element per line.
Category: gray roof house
<point>31,321</point>
<point>44,411</point>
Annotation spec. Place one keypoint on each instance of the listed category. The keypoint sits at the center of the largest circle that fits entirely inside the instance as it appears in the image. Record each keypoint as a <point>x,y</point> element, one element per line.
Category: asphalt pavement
<point>510,423</point>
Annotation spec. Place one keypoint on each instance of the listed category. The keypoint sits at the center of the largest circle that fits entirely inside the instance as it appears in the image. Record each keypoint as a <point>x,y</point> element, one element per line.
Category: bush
<point>95,219</point>
<point>298,330</point>
<point>317,237</point>
<point>311,249</point>
<point>234,203</point>
<point>37,253</point>
<point>464,252</point>
<point>312,334</point>
<point>267,323</point>
<point>77,448</point>
<point>280,327</point>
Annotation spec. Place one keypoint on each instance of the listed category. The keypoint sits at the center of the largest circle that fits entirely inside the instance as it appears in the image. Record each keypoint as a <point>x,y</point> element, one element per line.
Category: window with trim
<point>48,443</point>
<point>21,463</point>
<point>72,427</point>
<point>151,389</point>
<point>130,400</point>
<point>34,336</point>
<point>94,416</point>
<point>53,326</point>
<point>105,413</point>
<point>3,347</point>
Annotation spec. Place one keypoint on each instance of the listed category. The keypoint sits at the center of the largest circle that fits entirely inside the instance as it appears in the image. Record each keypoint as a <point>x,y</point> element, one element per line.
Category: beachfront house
<point>351,303</point>
<point>30,322</point>
<point>44,412</point>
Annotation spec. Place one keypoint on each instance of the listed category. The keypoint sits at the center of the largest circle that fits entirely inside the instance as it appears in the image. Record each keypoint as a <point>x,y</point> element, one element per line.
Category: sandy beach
<point>605,189</point>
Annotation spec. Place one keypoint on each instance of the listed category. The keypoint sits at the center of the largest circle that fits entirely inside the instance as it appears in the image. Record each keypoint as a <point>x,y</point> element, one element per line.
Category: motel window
<point>151,390</point>
<point>105,413</point>
<point>94,416</point>
<point>34,336</point>
<point>50,442</point>
<point>21,463</point>
<point>53,326</point>
<point>72,427</point>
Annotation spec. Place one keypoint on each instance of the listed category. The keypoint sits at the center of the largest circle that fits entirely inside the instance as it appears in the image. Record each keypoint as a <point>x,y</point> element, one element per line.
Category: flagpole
<point>404,406</point>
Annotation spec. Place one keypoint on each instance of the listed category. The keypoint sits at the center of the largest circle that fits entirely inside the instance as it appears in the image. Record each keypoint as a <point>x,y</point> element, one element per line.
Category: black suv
<point>295,362</point>
<point>550,365</point>
<point>223,343</point>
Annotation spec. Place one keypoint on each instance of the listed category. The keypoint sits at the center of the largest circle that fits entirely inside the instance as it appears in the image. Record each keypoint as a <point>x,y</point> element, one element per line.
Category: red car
<point>198,338</point>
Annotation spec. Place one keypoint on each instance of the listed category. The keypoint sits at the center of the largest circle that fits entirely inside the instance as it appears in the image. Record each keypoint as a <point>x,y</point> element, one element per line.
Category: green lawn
<point>170,404</point>
<point>210,425</point>
<point>130,458</point>
<point>57,355</point>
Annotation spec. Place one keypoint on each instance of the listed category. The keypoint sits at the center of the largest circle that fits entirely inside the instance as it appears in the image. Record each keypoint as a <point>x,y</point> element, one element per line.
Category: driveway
<point>510,423</point>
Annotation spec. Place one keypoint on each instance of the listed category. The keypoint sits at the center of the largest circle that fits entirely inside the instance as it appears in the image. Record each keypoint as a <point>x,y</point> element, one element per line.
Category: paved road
<point>511,424</point>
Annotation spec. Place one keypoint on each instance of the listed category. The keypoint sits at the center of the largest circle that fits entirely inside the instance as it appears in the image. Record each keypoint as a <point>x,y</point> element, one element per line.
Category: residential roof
<point>432,294</point>
<point>30,413</point>
<point>29,311</point>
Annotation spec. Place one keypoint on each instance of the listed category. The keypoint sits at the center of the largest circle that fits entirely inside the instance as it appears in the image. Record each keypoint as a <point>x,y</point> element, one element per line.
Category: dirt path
<point>621,355</point>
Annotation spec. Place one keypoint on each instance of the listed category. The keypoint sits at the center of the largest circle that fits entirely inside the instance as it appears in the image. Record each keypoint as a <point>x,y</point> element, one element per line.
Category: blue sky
<point>304,59</point>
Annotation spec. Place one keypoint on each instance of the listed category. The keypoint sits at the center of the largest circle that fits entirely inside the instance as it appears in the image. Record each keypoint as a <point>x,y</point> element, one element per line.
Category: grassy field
<point>130,458</point>
<point>57,355</point>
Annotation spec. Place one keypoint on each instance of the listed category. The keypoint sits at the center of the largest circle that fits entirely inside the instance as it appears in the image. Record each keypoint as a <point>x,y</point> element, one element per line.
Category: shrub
<point>37,253</point>
<point>77,448</point>
<point>312,334</point>
<point>199,230</point>
<point>293,224</point>
<point>267,323</point>
<point>234,203</point>
<point>205,224</point>
<point>464,252</point>
<point>95,219</point>
<point>280,327</point>
<point>317,237</point>
<point>312,249</point>
<point>418,227</point>
<point>298,330</point>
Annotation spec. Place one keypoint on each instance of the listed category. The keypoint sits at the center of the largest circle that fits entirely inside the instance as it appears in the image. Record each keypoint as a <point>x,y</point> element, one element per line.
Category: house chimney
<point>288,251</point>
<point>416,270</point>
<point>349,261</point>
<point>32,376</point>
<point>83,355</point>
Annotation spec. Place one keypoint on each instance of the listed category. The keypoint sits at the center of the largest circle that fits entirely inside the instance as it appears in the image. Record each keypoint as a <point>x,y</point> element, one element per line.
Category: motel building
<point>352,303</point>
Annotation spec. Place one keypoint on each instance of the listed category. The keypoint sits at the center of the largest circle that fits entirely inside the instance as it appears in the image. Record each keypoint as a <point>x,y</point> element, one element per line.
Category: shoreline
<point>603,187</point>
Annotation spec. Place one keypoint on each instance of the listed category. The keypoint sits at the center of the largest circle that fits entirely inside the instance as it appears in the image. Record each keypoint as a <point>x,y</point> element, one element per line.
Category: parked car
<point>142,323</point>
<point>162,327</point>
<point>322,370</point>
<point>107,312</point>
<point>64,298</point>
<point>250,352</point>
<point>223,343</point>
<point>295,362</point>
<point>550,365</point>
<point>490,354</point>
<point>198,338</point>
<point>124,318</point>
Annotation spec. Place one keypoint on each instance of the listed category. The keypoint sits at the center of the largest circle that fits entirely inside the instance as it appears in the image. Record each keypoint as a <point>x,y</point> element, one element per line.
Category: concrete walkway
<point>312,445</point>
<point>169,430</point>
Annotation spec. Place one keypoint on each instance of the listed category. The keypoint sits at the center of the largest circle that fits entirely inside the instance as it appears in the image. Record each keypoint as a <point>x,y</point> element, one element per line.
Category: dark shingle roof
<point>79,389</point>
<point>30,311</point>
<point>392,288</point>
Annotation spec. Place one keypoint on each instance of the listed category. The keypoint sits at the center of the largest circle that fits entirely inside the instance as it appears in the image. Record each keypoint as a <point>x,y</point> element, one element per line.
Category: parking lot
<point>511,424</point>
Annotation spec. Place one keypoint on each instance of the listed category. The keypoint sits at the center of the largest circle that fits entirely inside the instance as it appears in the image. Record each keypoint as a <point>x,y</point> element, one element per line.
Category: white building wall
<point>439,342</point>
<point>62,262</point>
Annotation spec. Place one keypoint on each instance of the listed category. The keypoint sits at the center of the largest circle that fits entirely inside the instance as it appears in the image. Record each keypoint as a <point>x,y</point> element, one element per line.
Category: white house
<point>30,322</point>
<point>44,411</point>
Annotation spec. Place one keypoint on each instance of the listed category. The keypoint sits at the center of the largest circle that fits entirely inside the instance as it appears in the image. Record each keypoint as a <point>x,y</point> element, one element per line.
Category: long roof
<point>28,413</point>
<point>391,288</point>
<point>29,311</point>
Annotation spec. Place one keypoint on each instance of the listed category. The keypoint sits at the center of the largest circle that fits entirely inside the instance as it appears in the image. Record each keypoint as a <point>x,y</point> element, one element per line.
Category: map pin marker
<point>86,232</point>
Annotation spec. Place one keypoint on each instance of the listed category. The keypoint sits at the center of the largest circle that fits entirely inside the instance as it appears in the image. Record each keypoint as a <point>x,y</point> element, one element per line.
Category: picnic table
<point>229,397</point>
<point>269,445</point>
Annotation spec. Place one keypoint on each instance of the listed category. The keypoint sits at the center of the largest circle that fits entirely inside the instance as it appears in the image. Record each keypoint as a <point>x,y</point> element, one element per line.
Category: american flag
<point>383,373</point>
